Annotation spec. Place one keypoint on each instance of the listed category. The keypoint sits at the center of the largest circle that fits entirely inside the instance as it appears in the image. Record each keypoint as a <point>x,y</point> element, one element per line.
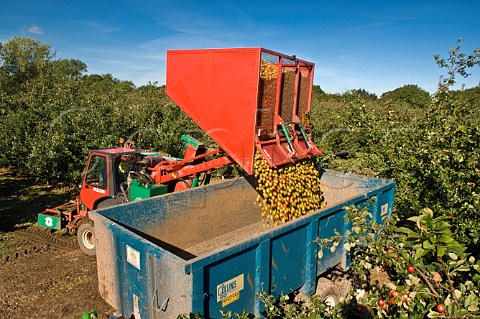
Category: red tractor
<point>121,174</point>
<point>246,100</point>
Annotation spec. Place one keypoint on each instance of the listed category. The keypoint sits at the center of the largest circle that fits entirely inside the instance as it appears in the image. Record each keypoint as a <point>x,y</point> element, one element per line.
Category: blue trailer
<point>203,250</point>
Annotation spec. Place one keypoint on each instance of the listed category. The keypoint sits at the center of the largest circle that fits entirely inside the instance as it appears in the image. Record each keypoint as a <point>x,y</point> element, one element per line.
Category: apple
<point>392,301</point>
<point>440,308</point>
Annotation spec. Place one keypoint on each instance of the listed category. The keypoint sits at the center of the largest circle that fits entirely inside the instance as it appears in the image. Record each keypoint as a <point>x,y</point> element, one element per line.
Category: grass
<point>22,199</point>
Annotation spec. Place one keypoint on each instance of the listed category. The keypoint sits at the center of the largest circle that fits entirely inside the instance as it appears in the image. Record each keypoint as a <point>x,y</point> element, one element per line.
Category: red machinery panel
<point>246,98</point>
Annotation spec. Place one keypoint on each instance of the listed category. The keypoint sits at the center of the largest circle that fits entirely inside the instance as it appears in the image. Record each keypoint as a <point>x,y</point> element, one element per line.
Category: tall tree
<point>24,59</point>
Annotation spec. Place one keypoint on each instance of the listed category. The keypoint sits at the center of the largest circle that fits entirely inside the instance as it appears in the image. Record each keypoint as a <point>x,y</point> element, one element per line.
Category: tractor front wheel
<point>86,238</point>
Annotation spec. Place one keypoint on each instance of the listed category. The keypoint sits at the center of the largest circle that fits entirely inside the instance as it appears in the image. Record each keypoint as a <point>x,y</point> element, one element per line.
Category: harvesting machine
<point>245,99</point>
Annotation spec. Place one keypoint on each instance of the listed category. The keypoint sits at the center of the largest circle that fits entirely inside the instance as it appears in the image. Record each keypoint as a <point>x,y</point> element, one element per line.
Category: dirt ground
<point>42,274</point>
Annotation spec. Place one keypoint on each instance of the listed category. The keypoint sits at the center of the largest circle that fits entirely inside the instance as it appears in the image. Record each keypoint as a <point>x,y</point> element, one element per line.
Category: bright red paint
<point>219,89</point>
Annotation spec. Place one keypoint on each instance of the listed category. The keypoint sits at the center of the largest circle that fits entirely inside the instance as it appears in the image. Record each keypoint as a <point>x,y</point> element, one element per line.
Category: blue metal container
<point>204,250</point>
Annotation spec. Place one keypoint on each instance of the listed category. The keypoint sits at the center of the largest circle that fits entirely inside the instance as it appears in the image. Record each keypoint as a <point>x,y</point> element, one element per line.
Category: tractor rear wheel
<point>108,202</point>
<point>86,237</point>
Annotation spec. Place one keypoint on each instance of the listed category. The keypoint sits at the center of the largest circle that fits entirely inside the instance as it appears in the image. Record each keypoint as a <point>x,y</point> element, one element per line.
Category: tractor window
<point>97,172</point>
<point>123,165</point>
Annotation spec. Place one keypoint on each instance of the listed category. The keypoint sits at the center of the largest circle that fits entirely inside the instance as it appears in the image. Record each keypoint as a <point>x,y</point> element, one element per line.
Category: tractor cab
<point>106,175</point>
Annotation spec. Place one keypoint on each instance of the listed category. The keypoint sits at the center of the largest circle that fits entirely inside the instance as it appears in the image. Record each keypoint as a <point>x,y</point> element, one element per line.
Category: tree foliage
<point>432,152</point>
<point>411,95</point>
<point>52,113</point>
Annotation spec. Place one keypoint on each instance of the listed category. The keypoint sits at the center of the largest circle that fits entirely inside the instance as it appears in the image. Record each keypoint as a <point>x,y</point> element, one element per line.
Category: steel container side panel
<point>143,215</point>
<point>379,203</point>
<point>133,262</point>
<point>230,284</point>
<point>154,285</point>
<point>337,222</point>
<point>338,186</point>
<point>218,89</point>
<point>139,214</point>
<point>107,273</point>
<point>384,204</point>
<point>326,229</point>
<point>137,277</point>
<point>288,260</point>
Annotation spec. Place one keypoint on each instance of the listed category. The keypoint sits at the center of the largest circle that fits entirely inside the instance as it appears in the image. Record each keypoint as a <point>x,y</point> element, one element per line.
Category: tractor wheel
<point>106,203</point>
<point>328,292</point>
<point>86,238</point>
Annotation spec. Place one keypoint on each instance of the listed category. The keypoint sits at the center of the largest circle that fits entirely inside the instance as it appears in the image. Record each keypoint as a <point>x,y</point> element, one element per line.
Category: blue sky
<point>374,45</point>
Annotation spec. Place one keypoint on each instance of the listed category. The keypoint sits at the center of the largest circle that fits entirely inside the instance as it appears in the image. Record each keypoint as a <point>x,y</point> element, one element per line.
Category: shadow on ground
<point>21,199</point>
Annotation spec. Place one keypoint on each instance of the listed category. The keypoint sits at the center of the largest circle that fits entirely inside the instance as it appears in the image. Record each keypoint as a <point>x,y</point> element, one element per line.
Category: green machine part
<point>188,139</point>
<point>139,190</point>
<point>52,221</point>
<point>89,314</point>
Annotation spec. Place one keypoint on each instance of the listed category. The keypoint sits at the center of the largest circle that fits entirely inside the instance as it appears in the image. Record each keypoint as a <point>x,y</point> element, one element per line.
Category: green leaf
<point>460,312</point>
<point>471,300</point>
<point>427,220</point>
<point>457,249</point>
<point>433,314</point>
<point>420,253</point>
<point>427,245</point>
<point>440,218</point>
<point>407,231</point>
<point>445,238</point>
<point>440,251</point>
<point>463,268</point>
<point>415,219</point>
<point>442,225</point>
